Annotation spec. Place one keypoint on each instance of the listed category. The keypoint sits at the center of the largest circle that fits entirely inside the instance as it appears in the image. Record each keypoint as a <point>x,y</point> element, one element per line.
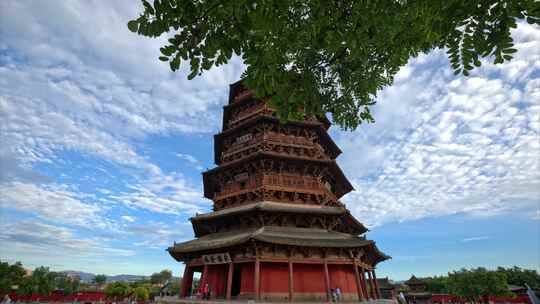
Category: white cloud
<point>475,238</point>
<point>96,88</point>
<point>52,202</point>
<point>37,240</point>
<point>128,218</point>
<point>159,235</point>
<point>460,145</point>
<point>164,194</point>
<point>187,157</point>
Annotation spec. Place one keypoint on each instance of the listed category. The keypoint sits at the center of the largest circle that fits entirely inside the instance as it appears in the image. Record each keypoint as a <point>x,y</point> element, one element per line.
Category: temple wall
<point>217,278</point>
<point>275,278</point>
<point>248,279</point>
<point>342,276</point>
<point>309,282</point>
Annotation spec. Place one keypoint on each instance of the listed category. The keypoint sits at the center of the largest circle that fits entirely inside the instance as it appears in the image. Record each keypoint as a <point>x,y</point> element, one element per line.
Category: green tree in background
<point>161,277</point>
<point>27,287</point>
<point>10,276</point>
<point>520,277</point>
<point>141,293</point>
<point>437,284</point>
<point>44,280</point>
<point>473,284</point>
<point>118,290</point>
<point>100,279</point>
<point>68,285</point>
<point>321,56</point>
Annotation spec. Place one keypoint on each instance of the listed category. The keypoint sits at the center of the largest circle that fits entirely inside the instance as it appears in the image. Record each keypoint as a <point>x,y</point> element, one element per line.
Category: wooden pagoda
<point>278,230</point>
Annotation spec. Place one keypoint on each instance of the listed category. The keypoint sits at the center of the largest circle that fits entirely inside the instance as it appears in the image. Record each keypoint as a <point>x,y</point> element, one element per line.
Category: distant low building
<point>387,288</point>
<point>417,293</point>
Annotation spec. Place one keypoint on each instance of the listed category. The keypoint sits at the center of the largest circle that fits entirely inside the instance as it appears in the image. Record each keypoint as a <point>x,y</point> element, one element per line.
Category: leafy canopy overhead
<point>318,56</point>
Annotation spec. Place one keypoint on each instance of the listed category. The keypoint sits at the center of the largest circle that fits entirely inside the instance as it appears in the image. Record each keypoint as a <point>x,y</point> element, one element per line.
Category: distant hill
<point>87,277</point>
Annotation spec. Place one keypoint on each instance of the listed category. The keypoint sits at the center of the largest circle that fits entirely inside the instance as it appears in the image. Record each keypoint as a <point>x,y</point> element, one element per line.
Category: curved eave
<point>340,177</point>
<point>265,206</point>
<point>303,237</point>
<point>379,256</point>
<point>233,87</point>
<point>359,227</point>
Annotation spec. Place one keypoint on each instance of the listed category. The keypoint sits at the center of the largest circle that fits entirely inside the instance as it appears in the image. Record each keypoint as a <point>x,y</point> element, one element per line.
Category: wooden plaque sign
<point>217,258</point>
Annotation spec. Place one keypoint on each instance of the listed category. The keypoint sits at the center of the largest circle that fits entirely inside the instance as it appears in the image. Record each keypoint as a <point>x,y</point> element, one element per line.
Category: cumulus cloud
<point>97,89</point>
<point>159,235</point>
<point>164,194</point>
<point>33,238</point>
<point>51,202</point>
<point>458,145</point>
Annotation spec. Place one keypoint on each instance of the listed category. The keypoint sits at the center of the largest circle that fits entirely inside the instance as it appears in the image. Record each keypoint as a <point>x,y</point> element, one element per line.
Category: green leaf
<point>133,26</point>
<point>163,58</point>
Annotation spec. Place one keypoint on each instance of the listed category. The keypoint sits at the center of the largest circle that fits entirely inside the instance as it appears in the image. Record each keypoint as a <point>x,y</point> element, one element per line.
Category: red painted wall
<point>274,277</point>
<point>342,276</point>
<point>248,274</point>
<point>308,278</point>
<point>217,278</point>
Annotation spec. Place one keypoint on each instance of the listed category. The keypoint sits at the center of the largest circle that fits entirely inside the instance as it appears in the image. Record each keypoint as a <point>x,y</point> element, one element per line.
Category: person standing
<point>204,291</point>
<point>338,294</point>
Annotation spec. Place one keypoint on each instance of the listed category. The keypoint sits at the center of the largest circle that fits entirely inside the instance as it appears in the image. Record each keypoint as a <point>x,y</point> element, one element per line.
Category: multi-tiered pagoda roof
<point>276,198</point>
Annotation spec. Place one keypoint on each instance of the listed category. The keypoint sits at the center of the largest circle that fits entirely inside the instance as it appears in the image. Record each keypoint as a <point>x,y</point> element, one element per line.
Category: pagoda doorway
<point>236,281</point>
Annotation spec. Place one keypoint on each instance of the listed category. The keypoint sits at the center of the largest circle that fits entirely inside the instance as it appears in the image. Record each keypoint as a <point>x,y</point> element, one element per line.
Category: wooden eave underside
<point>232,104</point>
<point>341,180</point>
<point>319,128</point>
<point>201,221</point>
<point>284,236</point>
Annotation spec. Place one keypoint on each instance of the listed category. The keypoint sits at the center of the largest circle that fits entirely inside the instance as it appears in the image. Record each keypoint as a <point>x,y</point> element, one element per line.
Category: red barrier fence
<point>82,297</point>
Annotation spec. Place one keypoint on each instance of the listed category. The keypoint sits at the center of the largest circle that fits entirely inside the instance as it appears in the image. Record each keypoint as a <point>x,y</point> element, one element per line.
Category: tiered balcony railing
<point>278,143</point>
<point>279,182</point>
<point>245,94</point>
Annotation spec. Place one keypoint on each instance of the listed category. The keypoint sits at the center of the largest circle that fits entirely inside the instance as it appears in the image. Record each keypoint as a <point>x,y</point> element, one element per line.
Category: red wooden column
<point>377,291</point>
<point>256,283</point>
<point>291,282</point>
<point>327,280</point>
<point>358,284</point>
<point>363,282</point>
<point>371,285</point>
<point>184,282</point>
<point>204,276</point>
<point>229,280</point>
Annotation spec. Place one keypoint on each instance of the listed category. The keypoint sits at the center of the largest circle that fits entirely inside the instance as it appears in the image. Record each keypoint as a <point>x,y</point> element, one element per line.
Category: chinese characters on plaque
<point>218,258</point>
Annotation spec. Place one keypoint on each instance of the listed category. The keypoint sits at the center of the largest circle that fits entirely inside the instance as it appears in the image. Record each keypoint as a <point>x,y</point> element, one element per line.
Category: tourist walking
<point>206,292</point>
<point>338,294</point>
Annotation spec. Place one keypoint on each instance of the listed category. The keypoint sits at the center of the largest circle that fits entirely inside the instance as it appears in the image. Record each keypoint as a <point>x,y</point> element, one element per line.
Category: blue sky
<point>102,150</point>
